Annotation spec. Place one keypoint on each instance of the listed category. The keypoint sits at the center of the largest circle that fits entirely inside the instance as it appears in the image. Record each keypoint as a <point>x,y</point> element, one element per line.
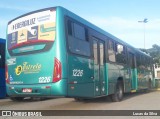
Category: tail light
<point>6,74</point>
<point>57,75</point>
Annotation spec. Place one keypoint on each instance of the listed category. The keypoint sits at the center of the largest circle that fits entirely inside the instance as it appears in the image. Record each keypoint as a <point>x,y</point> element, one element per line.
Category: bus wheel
<point>118,94</point>
<point>78,99</point>
<point>16,98</point>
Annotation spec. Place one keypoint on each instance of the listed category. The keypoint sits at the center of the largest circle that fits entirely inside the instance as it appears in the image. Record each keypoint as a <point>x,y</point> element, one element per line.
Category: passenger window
<point>148,64</point>
<point>70,32</point>
<point>143,62</point>
<point>78,42</point>
<point>79,32</point>
<point>101,45</point>
<point>120,53</point>
<point>131,60</point>
<point>95,51</point>
<point>138,60</point>
<point>111,52</point>
<point>111,46</point>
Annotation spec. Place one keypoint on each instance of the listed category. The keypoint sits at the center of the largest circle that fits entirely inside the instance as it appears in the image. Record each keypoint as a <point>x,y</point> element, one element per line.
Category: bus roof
<point>87,23</point>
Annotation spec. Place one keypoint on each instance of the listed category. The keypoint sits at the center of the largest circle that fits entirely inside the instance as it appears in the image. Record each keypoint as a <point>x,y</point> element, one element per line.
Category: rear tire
<point>78,99</point>
<point>16,98</point>
<point>118,93</point>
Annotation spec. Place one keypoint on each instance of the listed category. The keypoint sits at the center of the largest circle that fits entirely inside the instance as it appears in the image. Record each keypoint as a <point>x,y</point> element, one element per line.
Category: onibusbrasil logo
<point>28,68</point>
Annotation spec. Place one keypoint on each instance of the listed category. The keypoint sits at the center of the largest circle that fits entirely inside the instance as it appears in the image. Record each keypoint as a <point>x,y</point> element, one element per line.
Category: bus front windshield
<point>31,32</point>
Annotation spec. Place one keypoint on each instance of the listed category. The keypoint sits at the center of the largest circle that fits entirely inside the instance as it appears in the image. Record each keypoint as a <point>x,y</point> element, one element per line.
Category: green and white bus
<point>53,52</point>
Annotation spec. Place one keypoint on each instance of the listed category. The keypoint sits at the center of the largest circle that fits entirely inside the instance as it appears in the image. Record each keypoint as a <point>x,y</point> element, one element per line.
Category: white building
<point>157,71</point>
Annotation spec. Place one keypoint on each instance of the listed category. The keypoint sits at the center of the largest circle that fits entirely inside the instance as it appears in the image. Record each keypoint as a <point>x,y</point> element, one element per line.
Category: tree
<point>155,53</point>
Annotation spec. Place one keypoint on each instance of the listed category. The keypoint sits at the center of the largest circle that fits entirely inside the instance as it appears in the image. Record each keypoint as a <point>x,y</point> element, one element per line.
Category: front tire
<point>78,99</point>
<point>118,93</point>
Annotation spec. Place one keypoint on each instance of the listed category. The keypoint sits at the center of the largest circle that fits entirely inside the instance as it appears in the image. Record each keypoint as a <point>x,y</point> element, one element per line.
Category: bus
<point>2,69</point>
<point>53,52</point>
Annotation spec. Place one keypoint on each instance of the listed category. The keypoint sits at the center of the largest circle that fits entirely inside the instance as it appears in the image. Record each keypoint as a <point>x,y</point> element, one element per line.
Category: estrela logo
<point>18,70</point>
<point>27,68</point>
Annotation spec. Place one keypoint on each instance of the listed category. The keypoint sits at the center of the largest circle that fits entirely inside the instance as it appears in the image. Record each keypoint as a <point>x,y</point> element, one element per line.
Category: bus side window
<point>120,54</point>
<point>101,45</point>
<point>78,42</point>
<point>143,62</point>
<point>131,60</point>
<point>95,51</point>
<point>70,32</point>
<point>138,60</point>
<point>79,32</point>
<point>148,64</point>
<point>111,53</point>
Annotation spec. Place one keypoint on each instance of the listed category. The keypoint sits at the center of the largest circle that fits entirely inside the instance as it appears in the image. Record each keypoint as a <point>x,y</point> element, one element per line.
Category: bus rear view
<point>33,60</point>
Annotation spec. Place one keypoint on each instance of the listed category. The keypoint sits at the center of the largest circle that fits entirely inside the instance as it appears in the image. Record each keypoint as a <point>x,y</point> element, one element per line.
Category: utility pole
<point>144,29</point>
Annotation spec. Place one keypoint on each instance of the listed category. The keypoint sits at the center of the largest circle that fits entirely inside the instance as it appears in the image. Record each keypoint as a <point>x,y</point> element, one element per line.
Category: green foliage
<point>154,53</point>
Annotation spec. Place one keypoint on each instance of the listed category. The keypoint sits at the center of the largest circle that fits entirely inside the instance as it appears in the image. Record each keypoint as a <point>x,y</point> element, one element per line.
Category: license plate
<point>27,90</point>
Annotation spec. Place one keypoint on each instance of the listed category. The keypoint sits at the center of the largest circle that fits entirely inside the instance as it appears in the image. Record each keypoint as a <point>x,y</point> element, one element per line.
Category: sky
<point>118,17</point>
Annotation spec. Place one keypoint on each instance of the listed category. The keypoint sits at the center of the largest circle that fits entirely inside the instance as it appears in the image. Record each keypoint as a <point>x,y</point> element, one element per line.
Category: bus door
<point>98,52</point>
<point>133,72</point>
